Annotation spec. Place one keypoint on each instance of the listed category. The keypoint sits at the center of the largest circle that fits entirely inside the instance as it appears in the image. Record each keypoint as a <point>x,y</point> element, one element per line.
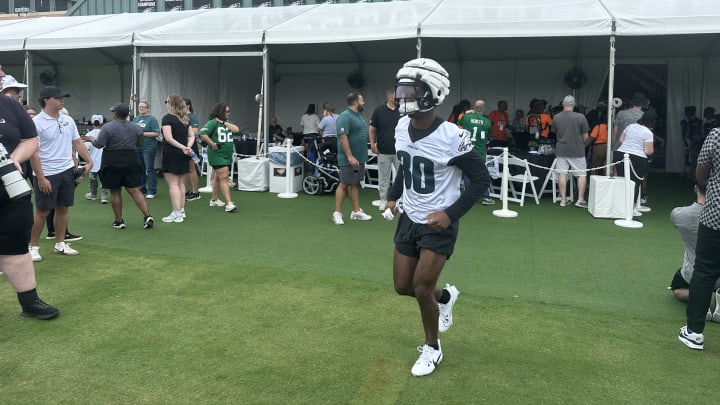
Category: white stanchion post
<point>288,174</point>
<point>505,212</point>
<point>628,222</point>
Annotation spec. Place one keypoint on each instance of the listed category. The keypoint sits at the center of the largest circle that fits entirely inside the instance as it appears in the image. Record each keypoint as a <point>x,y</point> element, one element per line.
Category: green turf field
<point>274,304</point>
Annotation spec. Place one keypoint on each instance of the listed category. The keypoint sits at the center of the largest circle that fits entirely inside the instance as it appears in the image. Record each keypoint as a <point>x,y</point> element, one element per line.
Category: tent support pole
<point>266,95</point>
<point>134,80</point>
<point>418,46</point>
<point>611,109</point>
<point>28,74</point>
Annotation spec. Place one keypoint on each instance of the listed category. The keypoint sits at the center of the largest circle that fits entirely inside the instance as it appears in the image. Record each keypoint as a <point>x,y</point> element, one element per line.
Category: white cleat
<point>428,360</point>
<point>445,320</point>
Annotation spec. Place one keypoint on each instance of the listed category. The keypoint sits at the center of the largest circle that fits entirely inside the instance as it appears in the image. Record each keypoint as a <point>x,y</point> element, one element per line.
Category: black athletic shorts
<point>16,221</point>
<point>63,191</point>
<point>678,281</point>
<point>113,177</point>
<point>411,237</point>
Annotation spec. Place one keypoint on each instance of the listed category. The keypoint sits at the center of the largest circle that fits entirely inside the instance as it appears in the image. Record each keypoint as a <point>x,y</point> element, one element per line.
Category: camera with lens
<point>12,180</point>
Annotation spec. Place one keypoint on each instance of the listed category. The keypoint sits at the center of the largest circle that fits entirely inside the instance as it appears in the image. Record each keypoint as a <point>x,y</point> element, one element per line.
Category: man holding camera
<point>55,173</point>
<point>17,144</point>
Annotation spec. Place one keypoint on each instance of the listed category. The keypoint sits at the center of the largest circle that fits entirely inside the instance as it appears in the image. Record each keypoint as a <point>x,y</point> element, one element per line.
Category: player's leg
<point>427,271</point>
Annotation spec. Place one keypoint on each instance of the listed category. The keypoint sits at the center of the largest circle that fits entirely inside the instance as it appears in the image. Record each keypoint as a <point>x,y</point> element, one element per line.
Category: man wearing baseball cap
<point>54,167</point>
<point>121,166</point>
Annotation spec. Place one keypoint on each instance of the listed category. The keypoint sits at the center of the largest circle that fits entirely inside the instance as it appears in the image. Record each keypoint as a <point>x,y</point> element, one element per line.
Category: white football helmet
<point>422,84</point>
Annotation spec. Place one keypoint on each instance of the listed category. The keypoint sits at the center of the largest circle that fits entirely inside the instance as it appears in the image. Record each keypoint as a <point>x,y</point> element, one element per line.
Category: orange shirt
<point>500,122</point>
<point>545,124</point>
<point>599,133</point>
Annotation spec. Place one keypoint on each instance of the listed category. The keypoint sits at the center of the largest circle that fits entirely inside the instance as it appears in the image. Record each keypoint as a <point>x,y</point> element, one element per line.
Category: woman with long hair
<point>179,139</point>
<point>193,194</point>
<point>218,134</point>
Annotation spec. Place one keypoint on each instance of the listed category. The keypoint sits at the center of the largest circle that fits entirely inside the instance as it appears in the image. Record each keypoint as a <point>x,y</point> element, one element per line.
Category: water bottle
<point>195,157</point>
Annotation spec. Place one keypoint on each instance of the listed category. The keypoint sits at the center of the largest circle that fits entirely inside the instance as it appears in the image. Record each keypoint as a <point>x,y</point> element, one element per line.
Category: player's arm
<point>396,191</point>
<point>472,166</point>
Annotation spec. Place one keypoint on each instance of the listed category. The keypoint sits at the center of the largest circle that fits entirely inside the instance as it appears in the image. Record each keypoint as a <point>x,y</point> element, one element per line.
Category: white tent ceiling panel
<point>220,26</point>
<point>517,18</point>
<point>113,30</point>
<point>669,17</point>
<point>13,36</point>
<point>356,22</point>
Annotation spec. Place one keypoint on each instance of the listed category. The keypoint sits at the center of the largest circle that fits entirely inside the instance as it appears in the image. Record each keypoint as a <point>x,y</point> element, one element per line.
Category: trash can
<point>277,156</point>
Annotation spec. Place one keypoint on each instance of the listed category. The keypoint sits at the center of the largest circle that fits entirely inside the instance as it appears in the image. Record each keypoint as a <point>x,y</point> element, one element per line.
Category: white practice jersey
<point>430,184</point>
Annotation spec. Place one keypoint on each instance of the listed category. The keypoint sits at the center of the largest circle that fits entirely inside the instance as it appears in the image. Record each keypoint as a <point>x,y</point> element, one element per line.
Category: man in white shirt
<point>54,167</point>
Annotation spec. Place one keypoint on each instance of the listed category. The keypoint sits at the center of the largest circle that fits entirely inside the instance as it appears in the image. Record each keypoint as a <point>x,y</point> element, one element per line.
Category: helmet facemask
<point>413,96</point>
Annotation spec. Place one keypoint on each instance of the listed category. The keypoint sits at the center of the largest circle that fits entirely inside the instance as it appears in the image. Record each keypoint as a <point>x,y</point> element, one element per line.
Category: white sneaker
<point>35,253</point>
<point>150,196</point>
<point>360,216</point>
<point>691,339</point>
<point>183,213</point>
<point>65,249</point>
<point>216,203</point>
<point>337,218</point>
<point>716,313</point>
<point>381,207</point>
<point>230,207</point>
<point>445,320</point>
<point>428,360</point>
<point>173,217</point>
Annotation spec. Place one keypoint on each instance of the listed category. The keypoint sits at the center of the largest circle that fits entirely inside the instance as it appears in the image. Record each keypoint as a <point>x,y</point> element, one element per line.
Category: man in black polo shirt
<point>382,142</point>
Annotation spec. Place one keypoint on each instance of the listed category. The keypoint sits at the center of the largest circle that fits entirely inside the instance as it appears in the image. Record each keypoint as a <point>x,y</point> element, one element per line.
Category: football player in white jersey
<point>434,155</point>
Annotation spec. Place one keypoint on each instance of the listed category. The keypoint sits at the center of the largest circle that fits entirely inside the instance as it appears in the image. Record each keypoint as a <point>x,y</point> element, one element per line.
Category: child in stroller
<point>324,177</point>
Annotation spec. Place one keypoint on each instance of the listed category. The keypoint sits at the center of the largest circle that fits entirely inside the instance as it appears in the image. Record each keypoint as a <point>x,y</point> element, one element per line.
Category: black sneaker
<point>119,224</point>
<point>50,235</point>
<point>148,222</point>
<point>40,310</point>
<point>69,237</point>
<point>193,197</point>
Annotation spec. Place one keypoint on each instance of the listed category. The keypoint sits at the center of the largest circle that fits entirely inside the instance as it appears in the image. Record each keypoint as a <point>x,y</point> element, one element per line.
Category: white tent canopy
<point>513,50</point>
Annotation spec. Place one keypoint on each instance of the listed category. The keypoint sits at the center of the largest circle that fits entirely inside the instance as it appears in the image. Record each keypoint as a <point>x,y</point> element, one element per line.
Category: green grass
<point>276,305</point>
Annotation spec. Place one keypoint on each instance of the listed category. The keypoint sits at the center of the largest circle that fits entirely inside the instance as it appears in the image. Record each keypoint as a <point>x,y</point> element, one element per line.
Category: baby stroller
<point>324,177</point>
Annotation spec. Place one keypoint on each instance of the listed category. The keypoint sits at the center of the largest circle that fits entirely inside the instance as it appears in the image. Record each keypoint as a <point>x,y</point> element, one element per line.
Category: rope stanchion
<point>505,212</point>
<point>628,221</point>
<point>288,167</point>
